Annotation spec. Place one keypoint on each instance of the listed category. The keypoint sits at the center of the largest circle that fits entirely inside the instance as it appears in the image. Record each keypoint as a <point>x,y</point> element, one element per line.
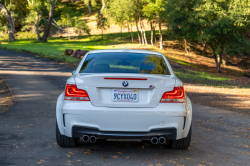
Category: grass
<point>55,47</point>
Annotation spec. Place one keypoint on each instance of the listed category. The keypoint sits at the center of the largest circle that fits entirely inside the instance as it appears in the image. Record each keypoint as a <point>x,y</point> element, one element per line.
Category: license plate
<point>123,95</point>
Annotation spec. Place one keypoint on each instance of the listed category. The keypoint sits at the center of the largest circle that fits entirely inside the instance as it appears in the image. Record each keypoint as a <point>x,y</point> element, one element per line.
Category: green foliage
<point>180,16</point>
<point>3,23</point>
<point>81,27</point>
<point>19,10</point>
<point>222,24</point>
<point>29,23</point>
<point>159,63</point>
<point>116,11</point>
<point>154,8</point>
<point>102,22</point>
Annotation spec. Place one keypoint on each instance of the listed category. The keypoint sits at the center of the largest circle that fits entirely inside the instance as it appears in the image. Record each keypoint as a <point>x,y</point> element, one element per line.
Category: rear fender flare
<point>59,117</point>
<point>188,117</point>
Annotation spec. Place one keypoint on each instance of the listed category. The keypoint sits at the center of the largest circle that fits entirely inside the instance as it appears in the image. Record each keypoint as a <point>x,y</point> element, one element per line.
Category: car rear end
<point>124,94</point>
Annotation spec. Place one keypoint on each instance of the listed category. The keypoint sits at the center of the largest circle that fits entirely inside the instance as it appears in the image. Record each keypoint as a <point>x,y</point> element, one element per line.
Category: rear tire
<point>65,141</point>
<point>181,143</point>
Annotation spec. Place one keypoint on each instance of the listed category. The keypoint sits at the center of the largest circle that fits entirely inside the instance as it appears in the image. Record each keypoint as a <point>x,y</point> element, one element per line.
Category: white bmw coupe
<point>124,94</point>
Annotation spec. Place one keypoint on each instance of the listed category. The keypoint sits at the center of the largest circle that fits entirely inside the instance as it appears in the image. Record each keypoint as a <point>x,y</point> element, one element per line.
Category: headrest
<point>102,68</point>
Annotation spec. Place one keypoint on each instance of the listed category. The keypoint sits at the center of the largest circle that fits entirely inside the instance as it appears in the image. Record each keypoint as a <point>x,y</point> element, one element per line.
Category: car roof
<point>125,50</point>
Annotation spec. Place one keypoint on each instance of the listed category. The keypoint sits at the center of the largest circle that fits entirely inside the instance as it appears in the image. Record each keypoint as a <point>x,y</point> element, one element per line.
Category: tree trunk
<point>11,14</point>
<point>121,33</point>
<point>10,22</point>
<point>217,59</point>
<point>152,33</point>
<point>185,41</point>
<point>47,29</point>
<point>88,7</point>
<point>139,36</point>
<point>224,58</point>
<point>160,35</point>
<point>128,32</point>
<point>103,5</point>
<point>102,34</point>
<point>204,48</point>
<point>142,38</point>
<point>131,34</point>
<point>145,37</point>
<point>37,27</point>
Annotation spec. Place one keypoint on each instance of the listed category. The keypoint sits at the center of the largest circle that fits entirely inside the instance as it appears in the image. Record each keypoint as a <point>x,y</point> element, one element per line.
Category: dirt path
<point>236,100</point>
<point>6,98</point>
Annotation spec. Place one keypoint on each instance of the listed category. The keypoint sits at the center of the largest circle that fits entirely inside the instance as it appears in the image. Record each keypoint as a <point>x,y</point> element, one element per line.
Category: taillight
<point>175,96</point>
<point>72,93</point>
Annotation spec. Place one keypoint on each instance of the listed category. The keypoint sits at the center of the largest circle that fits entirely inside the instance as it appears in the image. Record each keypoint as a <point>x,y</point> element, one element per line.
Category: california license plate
<point>124,95</point>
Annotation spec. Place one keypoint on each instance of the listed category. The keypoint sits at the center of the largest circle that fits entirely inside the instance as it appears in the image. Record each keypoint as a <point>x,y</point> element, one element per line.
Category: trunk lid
<point>100,86</point>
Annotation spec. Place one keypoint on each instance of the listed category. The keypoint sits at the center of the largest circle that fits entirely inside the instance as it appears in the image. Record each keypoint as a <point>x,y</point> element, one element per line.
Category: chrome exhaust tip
<point>154,140</point>
<point>162,140</point>
<point>85,138</point>
<point>93,139</point>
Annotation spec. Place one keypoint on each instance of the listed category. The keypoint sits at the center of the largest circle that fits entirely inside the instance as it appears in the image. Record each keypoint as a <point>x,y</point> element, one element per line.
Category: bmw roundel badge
<point>125,83</point>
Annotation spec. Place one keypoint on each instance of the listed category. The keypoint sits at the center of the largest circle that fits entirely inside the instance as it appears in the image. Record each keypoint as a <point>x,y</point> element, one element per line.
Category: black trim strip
<point>79,131</point>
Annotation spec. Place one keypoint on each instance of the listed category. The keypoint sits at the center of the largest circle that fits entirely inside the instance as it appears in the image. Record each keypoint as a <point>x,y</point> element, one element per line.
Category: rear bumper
<point>79,131</point>
<point>75,117</point>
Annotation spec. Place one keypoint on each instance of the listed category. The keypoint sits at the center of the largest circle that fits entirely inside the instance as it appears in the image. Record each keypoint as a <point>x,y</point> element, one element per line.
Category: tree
<point>150,14</point>
<point>9,20</point>
<point>221,24</point>
<point>81,27</point>
<point>102,23</point>
<point>224,25</point>
<point>181,17</point>
<point>103,6</point>
<point>87,2</point>
<point>34,6</point>
<point>155,10</point>
<point>51,13</point>
<point>116,13</point>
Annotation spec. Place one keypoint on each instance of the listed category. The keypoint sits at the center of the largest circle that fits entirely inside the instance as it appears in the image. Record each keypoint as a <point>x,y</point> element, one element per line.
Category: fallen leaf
<point>146,161</point>
<point>119,152</point>
<point>68,155</point>
<point>71,152</point>
<point>128,157</point>
<point>87,152</point>
<point>203,162</point>
<point>103,158</point>
<point>115,157</point>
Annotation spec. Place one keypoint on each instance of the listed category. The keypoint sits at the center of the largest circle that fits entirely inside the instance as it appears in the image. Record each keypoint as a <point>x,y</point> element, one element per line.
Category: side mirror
<point>73,72</point>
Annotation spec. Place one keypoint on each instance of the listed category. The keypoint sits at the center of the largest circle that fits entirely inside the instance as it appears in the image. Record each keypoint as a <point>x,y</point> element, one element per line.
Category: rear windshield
<point>124,63</point>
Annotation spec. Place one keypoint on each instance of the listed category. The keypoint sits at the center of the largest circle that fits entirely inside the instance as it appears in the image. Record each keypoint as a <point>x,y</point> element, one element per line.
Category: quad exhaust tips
<point>162,140</point>
<point>85,138</point>
<point>155,140</point>
<point>91,139</point>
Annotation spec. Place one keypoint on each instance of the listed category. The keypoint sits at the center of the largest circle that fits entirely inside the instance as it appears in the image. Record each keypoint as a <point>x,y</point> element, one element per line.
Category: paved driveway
<point>27,131</point>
